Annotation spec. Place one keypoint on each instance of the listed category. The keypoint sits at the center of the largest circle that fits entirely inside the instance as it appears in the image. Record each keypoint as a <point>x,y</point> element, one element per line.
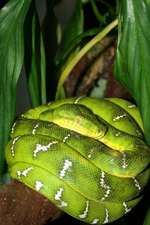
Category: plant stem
<point>97,14</point>
<point>81,53</point>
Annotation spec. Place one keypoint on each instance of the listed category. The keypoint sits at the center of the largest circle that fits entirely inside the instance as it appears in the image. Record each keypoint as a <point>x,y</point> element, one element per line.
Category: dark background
<point>63,12</point>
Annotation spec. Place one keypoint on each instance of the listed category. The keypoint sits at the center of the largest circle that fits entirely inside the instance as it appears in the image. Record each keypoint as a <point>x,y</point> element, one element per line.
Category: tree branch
<point>19,205</point>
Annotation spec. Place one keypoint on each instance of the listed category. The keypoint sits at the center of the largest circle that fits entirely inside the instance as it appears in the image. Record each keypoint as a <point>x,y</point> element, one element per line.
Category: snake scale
<point>87,156</point>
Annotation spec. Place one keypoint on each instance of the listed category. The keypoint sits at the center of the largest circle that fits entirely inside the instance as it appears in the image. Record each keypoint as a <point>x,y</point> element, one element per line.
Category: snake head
<point>77,118</point>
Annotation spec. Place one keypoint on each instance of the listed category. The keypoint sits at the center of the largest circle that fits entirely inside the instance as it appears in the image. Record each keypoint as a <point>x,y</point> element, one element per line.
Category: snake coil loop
<point>87,156</point>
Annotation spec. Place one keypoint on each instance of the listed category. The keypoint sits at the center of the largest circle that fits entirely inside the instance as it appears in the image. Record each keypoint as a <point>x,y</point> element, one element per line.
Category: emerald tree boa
<point>85,155</point>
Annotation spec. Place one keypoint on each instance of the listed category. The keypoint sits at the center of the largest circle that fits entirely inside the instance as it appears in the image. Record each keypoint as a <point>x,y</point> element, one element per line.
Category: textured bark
<point>96,65</point>
<point>77,83</point>
<point>101,67</point>
<point>19,205</point>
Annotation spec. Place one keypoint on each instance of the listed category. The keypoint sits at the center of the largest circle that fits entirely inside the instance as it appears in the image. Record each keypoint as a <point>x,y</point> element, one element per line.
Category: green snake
<point>87,156</point>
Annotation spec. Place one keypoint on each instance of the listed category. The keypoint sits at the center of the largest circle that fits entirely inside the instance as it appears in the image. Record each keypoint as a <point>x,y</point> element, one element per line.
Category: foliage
<point>45,47</point>
<point>11,60</point>
<point>66,71</point>
<point>133,55</point>
<point>48,52</point>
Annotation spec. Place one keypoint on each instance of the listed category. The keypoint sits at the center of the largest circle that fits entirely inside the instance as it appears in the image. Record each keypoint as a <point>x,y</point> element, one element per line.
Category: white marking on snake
<point>49,103</point>
<point>66,137</point>
<point>13,145</point>
<point>38,185</point>
<point>13,128</point>
<point>105,186</point>
<point>35,128</point>
<point>95,221</point>
<point>131,106</point>
<point>137,184</point>
<point>90,153</point>
<point>43,148</point>
<point>85,213</point>
<point>66,167</point>
<point>126,207</point>
<point>119,117</point>
<point>58,196</point>
<point>117,134</point>
<point>78,99</point>
<point>24,173</point>
<point>106,220</point>
<point>124,162</point>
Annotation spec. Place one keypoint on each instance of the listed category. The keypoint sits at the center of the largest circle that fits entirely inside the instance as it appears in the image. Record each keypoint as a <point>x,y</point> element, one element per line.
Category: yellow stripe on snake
<point>87,156</point>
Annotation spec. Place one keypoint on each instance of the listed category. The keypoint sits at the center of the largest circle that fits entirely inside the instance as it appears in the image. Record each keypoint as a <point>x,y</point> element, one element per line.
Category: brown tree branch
<point>19,205</point>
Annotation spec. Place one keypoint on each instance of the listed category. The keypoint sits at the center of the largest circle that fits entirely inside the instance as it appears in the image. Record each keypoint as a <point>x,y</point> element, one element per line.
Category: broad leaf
<point>33,76</point>
<point>133,54</point>
<point>35,60</point>
<point>43,70</point>
<point>12,17</point>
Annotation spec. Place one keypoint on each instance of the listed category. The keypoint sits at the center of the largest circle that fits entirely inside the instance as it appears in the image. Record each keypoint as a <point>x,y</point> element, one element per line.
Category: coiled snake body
<point>87,156</point>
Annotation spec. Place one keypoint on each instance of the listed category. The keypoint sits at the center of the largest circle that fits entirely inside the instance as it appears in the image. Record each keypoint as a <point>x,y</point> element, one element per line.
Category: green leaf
<point>133,54</point>
<point>85,1</point>
<point>68,68</point>
<point>73,29</point>
<point>35,60</point>
<point>12,17</point>
<point>33,80</point>
<point>147,218</point>
<point>43,70</point>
